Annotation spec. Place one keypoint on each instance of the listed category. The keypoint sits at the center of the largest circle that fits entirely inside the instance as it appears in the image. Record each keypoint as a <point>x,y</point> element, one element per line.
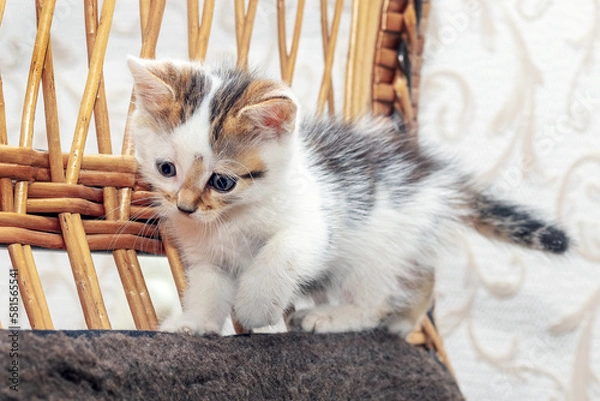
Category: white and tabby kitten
<point>266,207</point>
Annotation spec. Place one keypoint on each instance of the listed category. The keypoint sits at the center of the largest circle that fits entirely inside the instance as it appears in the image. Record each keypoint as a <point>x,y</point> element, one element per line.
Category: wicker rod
<point>144,294</point>
<point>35,73</point>
<point>22,262</point>
<point>151,14</point>
<point>402,93</point>
<point>126,268</point>
<point>177,269</point>
<point>92,178</point>
<point>2,7</point>
<point>47,224</point>
<point>101,120</point>
<point>81,206</point>
<point>137,296</point>
<point>33,83</point>
<point>3,130</point>
<point>148,318</point>
<point>363,35</point>
<point>175,263</point>
<point>127,264</point>
<point>152,28</point>
<point>109,195</point>
<point>6,192</point>
<point>39,159</point>
<point>150,31</point>
<point>142,309</point>
<point>244,22</point>
<point>84,273</point>
<point>5,183</point>
<point>325,39</point>
<point>193,27</point>
<point>30,286</point>
<point>400,83</point>
<point>410,21</point>
<point>351,72</point>
<point>136,291</point>
<point>203,33</point>
<point>295,39</point>
<point>57,189</point>
<point>77,246</point>
<point>326,80</point>
<point>282,40</point>
<point>51,111</point>
<point>437,344</point>
<point>287,60</point>
<point>89,95</point>
<point>239,20</point>
<point>97,242</point>
<point>171,252</point>
<point>21,257</point>
<point>144,6</point>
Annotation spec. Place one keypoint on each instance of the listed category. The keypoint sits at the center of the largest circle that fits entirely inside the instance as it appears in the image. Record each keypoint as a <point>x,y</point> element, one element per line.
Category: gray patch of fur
<point>357,163</point>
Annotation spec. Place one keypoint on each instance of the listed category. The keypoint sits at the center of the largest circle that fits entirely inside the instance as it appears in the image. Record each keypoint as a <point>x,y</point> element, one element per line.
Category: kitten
<point>266,207</point>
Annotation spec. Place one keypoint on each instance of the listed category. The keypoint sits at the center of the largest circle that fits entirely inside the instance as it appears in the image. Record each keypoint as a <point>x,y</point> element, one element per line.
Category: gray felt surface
<point>162,366</point>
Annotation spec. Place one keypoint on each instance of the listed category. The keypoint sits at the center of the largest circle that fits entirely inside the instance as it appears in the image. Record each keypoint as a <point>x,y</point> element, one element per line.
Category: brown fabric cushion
<point>163,366</point>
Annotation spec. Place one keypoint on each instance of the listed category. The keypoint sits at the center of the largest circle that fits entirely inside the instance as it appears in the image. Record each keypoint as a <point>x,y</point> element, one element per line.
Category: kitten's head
<point>210,141</point>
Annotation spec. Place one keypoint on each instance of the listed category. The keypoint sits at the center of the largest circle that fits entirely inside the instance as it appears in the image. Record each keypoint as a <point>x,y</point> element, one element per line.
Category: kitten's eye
<point>167,169</point>
<point>222,183</point>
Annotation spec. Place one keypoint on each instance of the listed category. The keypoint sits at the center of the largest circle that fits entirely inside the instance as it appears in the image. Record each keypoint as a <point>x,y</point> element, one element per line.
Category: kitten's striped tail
<point>515,224</point>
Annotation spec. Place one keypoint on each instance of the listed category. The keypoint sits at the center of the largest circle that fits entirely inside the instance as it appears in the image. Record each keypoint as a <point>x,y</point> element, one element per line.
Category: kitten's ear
<point>273,115</point>
<point>149,88</point>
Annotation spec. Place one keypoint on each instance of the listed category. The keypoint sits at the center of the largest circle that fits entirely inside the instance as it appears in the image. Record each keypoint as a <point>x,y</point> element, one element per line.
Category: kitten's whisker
<point>135,218</point>
<point>221,222</point>
<point>123,227</point>
<point>241,232</point>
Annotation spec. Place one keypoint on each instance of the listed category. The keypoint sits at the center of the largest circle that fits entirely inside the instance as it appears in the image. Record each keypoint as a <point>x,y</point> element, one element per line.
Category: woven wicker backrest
<point>81,203</point>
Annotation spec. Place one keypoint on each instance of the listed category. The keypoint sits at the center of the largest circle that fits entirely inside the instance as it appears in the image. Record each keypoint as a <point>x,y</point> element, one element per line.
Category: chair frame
<point>83,203</point>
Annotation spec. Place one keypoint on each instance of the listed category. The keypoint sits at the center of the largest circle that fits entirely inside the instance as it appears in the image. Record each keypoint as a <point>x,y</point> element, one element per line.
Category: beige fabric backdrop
<point>510,88</point>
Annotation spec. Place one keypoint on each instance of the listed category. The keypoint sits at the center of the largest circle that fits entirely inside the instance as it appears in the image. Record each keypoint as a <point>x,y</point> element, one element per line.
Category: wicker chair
<point>81,203</point>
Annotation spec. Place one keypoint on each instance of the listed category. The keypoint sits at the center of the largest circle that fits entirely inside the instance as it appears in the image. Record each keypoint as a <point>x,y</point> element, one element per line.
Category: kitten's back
<point>357,158</point>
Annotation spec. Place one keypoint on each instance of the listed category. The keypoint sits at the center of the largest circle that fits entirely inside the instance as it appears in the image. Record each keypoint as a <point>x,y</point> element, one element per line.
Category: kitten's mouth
<point>203,216</point>
<point>187,215</point>
<point>187,209</point>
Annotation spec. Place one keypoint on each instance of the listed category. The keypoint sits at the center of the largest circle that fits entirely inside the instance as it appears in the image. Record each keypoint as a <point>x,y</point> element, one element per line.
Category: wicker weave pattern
<point>83,203</point>
<point>46,199</point>
<point>403,22</point>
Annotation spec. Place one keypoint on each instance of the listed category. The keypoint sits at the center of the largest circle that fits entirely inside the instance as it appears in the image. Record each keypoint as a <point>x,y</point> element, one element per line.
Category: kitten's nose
<point>187,200</point>
<point>189,209</point>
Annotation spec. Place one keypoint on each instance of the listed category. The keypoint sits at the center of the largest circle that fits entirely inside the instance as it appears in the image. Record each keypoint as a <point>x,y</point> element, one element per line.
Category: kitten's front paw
<point>188,325</point>
<point>310,320</point>
<point>330,319</point>
<point>257,311</point>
